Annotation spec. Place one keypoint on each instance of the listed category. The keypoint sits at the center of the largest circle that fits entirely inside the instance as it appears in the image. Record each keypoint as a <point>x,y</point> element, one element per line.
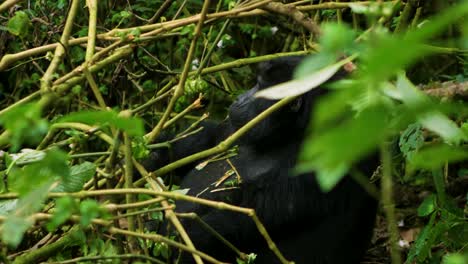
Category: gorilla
<point>308,225</point>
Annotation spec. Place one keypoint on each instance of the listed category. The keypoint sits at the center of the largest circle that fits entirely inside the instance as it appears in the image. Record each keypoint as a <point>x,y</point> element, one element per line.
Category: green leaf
<point>427,206</point>
<point>334,106</point>
<point>313,64</point>
<point>443,126</point>
<point>132,125</point>
<point>27,156</point>
<point>79,175</point>
<point>411,140</point>
<point>328,177</point>
<point>429,237</point>
<point>89,210</point>
<point>18,221</point>
<point>8,206</point>
<point>300,86</point>
<point>13,229</point>
<point>64,208</point>
<point>333,151</point>
<point>52,166</point>
<point>25,125</point>
<point>436,156</point>
<point>376,9</point>
<point>139,148</point>
<point>427,116</point>
<point>19,24</point>
<point>455,258</point>
<point>336,38</point>
<point>439,22</point>
<point>396,52</point>
<point>459,231</point>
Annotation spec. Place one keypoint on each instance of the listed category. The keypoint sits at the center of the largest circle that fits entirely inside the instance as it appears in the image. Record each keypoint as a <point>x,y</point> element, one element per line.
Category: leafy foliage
<point>102,98</point>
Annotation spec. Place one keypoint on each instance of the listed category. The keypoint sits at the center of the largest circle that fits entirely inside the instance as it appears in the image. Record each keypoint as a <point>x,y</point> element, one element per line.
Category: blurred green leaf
<point>132,125</point>
<point>427,206</point>
<point>19,24</point>
<point>427,116</point>
<point>13,229</point>
<point>25,125</point>
<point>396,52</point>
<point>313,64</point>
<point>373,9</point>
<point>333,152</point>
<point>455,258</point>
<point>443,126</point>
<point>336,105</point>
<point>33,183</point>
<point>64,208</point>
<point>439,22</point>
<point>8,206</point>
<point>52,166</point>
<point>300,86</point>
<point>18,221</point>
<point>336,38</point>
<point>436,156</point>
<point>89,210</point>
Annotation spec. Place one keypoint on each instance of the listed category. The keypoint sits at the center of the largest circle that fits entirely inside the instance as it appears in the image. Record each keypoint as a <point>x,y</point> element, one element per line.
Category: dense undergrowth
<point>87,86</point>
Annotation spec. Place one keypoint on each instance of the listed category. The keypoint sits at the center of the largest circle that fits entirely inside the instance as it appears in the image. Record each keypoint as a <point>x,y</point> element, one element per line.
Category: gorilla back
<point>307,225</point>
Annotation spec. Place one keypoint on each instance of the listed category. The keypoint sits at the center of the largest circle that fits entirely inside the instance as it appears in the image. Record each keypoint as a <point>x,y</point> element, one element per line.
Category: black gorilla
<point>308,226</point>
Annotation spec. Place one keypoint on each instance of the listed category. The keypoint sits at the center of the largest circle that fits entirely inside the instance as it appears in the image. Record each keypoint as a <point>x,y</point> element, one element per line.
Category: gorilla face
<point>278,125</point>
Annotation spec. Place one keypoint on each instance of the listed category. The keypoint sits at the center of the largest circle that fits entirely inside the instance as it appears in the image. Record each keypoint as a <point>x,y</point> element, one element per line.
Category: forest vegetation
<point>88,87</point>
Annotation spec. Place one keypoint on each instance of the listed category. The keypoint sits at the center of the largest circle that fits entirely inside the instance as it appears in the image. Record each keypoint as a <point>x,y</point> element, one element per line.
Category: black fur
<point>308,226</point>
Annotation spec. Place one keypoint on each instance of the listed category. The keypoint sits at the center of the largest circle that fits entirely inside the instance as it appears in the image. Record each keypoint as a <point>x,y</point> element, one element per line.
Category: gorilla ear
<point>296,105</point>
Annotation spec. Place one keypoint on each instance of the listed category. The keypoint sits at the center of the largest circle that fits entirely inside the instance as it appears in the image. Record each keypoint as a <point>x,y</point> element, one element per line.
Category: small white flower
<point>401,223</point>
<point>195,64</point>
<point>274,30</point>
<point>403,243</point>
<point>220,44</point>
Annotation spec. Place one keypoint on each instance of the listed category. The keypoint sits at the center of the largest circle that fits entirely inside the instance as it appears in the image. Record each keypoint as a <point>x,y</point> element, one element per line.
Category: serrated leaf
<point>52,166</point>
<point>411,140</point>
<point>27,156</point>
<point>298,87</point>
<point>79,175</point>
